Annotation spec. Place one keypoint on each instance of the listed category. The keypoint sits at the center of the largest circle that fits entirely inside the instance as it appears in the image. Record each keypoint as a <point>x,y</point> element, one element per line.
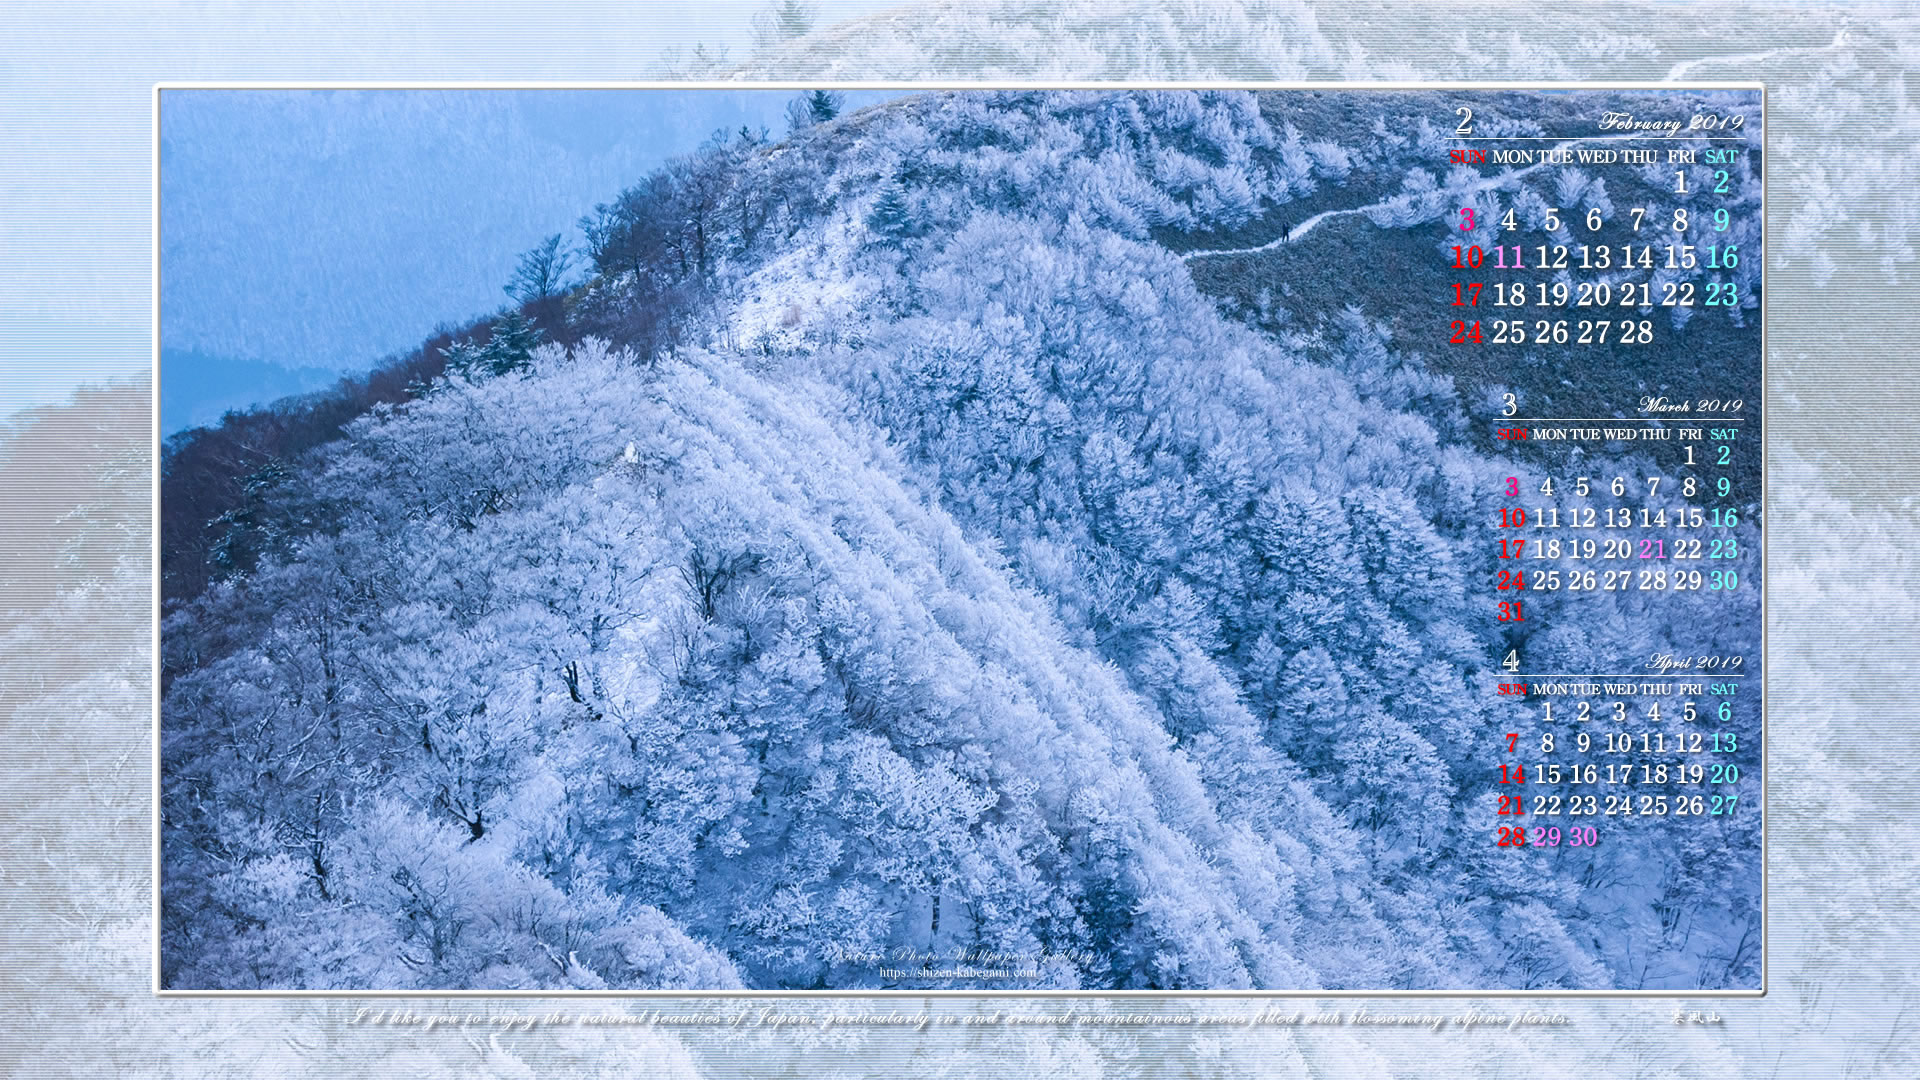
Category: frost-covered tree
<point>892,217</point>
<point>508,348</point>
<point>811,108</point>
<point>782,21</point>
<point>542,271</point>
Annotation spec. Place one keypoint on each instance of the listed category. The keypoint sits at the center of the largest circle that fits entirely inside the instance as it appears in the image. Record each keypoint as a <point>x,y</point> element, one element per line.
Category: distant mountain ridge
<point>197,388</point>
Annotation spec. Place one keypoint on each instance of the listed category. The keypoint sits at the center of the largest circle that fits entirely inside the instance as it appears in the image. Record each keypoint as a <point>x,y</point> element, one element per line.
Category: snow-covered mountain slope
<point>930,575</point>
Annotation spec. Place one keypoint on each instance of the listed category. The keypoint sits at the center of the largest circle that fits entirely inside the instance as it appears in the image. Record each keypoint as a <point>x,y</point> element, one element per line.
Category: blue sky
<point>324,230</point>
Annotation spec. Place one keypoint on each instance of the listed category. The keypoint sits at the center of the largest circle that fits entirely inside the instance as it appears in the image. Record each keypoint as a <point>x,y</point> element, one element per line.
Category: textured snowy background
<point>1843,202</point>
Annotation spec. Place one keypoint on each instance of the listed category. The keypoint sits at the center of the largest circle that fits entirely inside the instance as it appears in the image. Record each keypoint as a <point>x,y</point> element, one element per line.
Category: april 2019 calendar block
<point>1279,540</point>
